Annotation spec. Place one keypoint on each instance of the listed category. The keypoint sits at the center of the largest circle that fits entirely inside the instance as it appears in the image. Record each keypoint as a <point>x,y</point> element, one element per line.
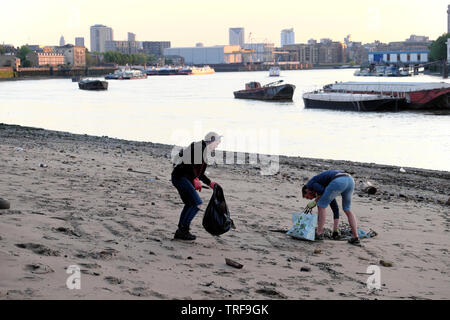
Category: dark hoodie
<point>193,164</point>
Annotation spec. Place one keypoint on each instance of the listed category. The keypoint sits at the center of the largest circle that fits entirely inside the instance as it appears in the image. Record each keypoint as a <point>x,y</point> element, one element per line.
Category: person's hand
<point>212,184</point>
<point>197,185</point>
<point>311,204</point>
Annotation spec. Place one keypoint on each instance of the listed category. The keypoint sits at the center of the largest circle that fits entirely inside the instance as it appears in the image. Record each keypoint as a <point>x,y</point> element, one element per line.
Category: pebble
<point>386,263</point>
<point>317,251</point>
<point>305,269</point>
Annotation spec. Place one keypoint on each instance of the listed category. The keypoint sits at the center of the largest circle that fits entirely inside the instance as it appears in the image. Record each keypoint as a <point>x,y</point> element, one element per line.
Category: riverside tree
<point>438,48</point>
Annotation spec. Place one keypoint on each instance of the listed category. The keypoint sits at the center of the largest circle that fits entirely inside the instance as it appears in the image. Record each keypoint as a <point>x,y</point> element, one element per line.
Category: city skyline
<point>387,21</point>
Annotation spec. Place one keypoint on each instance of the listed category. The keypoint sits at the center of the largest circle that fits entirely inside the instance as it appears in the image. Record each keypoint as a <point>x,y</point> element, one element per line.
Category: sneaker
<point>318,237</point>
<point>354,241</point>
<point>184,235</point>
<point>336,235</point>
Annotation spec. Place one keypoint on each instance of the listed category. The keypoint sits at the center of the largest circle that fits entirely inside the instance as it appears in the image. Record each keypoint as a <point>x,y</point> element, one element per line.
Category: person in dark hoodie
<point>187,177</point>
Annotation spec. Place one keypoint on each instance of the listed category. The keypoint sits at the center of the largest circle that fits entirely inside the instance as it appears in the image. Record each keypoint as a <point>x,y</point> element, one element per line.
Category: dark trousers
<point>191,201</point>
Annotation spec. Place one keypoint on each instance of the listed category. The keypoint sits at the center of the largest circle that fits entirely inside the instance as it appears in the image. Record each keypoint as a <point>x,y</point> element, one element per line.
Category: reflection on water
<point>179,109</point>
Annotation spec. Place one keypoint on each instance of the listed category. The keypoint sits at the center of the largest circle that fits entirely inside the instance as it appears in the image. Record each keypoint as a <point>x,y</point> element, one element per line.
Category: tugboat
<point>273,91</point>
<point>88,84</point>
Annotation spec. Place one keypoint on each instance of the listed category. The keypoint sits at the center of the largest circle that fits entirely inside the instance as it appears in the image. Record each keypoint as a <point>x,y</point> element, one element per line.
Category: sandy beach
<point>85,207</point>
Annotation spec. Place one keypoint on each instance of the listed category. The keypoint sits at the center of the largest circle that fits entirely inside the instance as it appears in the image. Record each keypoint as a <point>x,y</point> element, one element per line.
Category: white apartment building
<point>287,37</point>
<point>99,35</point>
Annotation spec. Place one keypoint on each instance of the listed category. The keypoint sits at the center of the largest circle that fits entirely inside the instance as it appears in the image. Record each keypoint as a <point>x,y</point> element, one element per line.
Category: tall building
<point>155,47</point>
<point>236,36</point>
<point>99,35</point>
<point>131,36</point>
<point>79,41</point>
<point>62,42</point>
<point>448,19</point>
<point>287,37</point>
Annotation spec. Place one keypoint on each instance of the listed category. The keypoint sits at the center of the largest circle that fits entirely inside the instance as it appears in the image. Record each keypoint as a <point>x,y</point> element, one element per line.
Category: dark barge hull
<point>276,93</point>
<point>371,105</point>
<point>93,85</point>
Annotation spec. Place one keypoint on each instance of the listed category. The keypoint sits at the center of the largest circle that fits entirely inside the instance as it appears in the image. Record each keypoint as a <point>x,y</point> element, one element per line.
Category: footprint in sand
<point>38,249</point>
<point>38,268</point>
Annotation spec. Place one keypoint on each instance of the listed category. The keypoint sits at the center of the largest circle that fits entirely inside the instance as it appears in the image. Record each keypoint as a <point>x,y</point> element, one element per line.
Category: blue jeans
<point>191,201</point>
<point>343,186</point>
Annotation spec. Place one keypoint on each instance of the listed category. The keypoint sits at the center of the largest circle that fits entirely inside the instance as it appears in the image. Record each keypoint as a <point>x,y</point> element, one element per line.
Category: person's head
<point>212,140</point>
<point>308,194</point>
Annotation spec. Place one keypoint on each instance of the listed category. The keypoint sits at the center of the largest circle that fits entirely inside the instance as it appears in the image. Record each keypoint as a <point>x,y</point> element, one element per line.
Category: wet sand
<point>84,207</point>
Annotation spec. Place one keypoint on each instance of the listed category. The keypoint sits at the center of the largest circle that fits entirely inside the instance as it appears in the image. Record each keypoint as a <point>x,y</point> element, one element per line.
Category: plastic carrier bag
<point>217,216</point>
<point>304,226</point>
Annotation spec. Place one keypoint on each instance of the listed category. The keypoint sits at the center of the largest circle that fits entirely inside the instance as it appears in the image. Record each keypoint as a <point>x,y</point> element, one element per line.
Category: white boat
<point>274,72</point>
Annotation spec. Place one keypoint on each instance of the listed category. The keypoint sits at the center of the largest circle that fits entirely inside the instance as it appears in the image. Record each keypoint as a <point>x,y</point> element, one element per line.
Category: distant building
<point>326,52</point>
<point>34,47</point>
<point>207,55</point>
<point>126,47</point>
<point>62,42</point>
<point>79,41</point>
<point>414,38</point>
<point>326,41</point>
<point>312,41</point>
<point>39,59</point>
<point>448,19</point>
<point>99,35</point>
<point>9,61</point>
<point>263,52</point>
<point>304,53</point>
<point>155,47</point>
<point>332,52</point>
<point>287,37</point>
<point>131,36</point>
<point>74,56</point>
<point>406,57</point>
<point>236,36</point>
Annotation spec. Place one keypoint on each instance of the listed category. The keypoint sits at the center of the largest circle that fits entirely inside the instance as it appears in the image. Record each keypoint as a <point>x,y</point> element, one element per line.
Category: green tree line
<point>438,48</point>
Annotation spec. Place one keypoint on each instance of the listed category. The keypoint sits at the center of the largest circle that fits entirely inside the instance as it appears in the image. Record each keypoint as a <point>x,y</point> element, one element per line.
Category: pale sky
<point>186,22</point>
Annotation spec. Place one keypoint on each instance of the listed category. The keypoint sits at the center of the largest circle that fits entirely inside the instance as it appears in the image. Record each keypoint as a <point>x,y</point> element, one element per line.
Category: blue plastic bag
<point>304,226</point>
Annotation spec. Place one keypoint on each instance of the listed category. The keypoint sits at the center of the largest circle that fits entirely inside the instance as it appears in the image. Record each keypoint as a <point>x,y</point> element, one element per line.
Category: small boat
<point>151,72</point>
<point>202,70</point>
<point>134,74</point>
<point>117,75</point>
<point>126,74</point>
<point>274,72</point>
<point>93,85</point>
<point>349,101</point>
<point>273,91</point>
<point>168,71</point>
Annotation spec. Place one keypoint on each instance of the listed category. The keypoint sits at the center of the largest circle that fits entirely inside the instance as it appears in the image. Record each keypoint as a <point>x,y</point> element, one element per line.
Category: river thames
<point>181,109</point>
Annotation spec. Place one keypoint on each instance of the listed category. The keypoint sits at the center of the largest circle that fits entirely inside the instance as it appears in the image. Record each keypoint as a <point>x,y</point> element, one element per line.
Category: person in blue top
<point>324,188</point>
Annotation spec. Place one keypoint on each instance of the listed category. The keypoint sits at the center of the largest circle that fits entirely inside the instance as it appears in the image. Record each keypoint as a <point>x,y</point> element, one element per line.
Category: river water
<point>181,109</point>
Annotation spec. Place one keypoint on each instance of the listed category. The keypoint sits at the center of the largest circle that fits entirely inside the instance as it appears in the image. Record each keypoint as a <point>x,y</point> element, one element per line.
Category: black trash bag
<point>217,219</point>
